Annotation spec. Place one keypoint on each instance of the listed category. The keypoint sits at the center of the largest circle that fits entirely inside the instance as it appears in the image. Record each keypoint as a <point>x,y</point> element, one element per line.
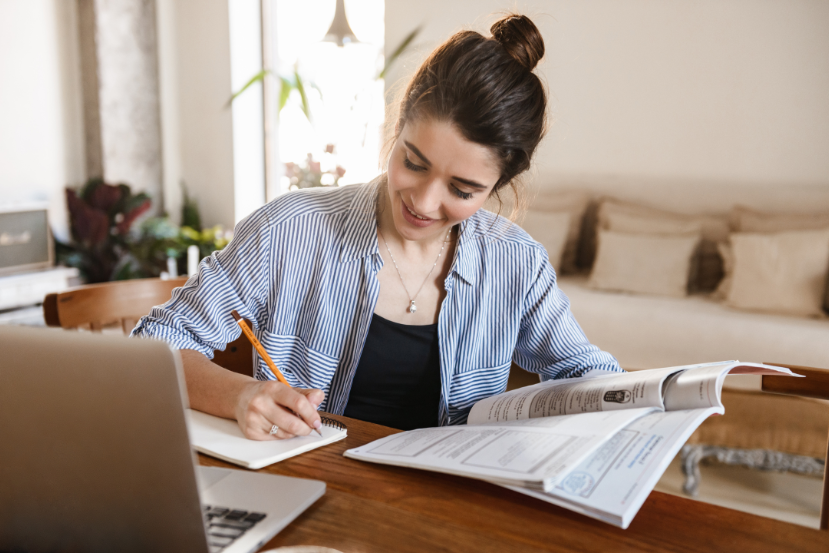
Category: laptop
<point>94,455</point>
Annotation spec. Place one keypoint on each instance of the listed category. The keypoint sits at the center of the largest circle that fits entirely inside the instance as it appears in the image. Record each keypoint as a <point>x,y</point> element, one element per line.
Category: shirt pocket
<point>302,366</point>
<point>469,387</point>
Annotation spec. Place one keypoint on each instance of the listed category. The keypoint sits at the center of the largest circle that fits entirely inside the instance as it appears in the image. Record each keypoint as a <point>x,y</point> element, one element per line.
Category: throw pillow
<point>549,201</point>
<point>744,219</point>
<point>550,230</point>
<point>707,264</point>
<point>783,272</point>
<point>647,264</point>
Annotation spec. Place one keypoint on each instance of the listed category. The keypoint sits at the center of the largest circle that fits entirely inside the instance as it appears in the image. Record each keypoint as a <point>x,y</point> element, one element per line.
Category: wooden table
<point>369,507</point>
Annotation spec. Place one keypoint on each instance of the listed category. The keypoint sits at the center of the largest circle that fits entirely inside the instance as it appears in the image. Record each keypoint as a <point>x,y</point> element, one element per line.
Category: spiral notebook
<point>222,438</point>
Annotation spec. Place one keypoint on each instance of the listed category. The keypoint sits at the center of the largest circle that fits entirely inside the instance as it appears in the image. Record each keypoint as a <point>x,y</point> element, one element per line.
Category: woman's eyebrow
<point>417,152</point>
<point>471,183</point>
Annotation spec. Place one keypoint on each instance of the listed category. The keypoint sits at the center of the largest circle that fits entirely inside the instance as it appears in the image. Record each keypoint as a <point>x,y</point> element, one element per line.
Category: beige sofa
<point>647,331</point>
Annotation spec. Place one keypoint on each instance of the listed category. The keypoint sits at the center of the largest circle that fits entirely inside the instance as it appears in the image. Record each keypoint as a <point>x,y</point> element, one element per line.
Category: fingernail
<point>317,424</point>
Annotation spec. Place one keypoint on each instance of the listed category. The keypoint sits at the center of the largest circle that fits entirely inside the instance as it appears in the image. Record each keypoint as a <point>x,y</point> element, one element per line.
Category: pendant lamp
<point>340,32</point>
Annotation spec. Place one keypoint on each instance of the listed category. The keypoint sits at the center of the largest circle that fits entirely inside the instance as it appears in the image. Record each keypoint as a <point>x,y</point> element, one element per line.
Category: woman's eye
<point>411,166</point>
<point>460,194</point>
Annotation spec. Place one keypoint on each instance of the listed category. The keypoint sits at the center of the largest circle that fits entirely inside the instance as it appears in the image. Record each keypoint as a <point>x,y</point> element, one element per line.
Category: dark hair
<point>485,87</point>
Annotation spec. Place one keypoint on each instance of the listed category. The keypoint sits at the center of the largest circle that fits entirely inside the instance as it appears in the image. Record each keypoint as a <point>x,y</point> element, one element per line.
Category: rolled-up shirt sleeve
<point>550,341</point>
<point>198,315</point>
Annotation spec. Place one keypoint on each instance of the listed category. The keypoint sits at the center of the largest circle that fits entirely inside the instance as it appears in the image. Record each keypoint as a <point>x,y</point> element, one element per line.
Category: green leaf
<point>253,80</point>
<point>300,86</point>
<point>285,89</point>
<point>398,51</point>
<point>191,234</point>
<point>190,215</point>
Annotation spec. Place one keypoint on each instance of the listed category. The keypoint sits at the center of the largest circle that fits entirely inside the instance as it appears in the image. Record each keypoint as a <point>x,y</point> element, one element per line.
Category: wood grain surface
<point>815,384</point>
<point>369,507</point>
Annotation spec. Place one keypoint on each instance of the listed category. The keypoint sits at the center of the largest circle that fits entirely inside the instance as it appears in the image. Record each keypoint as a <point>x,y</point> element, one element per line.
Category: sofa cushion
<point>643,263</point>
<point>550,230</point>
<point>633,218</point>
<point>744,219</point>
<point>574,203</point>
<point>707,268</point>
<point>783,272</point>
<point>546,201</point>
<point>645,332</point>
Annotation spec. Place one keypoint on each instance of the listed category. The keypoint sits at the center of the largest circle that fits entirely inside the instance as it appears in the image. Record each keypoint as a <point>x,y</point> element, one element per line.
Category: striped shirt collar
<point>360,238</point>
<point>360,226</point>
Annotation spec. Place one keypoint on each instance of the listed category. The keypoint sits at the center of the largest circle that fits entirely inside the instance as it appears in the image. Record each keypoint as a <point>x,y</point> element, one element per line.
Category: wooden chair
<point>119,305</point>
<point>815,385</point>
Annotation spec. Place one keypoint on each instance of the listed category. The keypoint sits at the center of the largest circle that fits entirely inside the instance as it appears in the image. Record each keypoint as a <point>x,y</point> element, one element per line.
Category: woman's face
<point>437,179</point>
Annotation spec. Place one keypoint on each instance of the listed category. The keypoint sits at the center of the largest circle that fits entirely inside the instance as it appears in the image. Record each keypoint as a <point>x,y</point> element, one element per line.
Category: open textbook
<point>596,444</point>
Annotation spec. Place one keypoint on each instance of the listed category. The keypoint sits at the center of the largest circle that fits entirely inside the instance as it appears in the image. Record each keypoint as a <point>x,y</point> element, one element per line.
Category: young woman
<point>401,302</point>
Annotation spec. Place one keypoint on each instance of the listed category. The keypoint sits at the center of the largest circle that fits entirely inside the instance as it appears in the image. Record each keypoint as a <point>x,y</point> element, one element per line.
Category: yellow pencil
<point>262,353</point>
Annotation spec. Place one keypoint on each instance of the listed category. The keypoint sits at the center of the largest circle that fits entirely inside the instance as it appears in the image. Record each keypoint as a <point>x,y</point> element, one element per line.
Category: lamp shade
<point>340,32</point>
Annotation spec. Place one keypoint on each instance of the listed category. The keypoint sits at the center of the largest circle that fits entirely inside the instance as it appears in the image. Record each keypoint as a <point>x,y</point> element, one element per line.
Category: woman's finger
<point>282,435</point>
<point>258,427</point>
<point>296,402</point>
<point>274,432</point>
<point>270,404</point>
<point>285,420</point>
<point>315,396</point>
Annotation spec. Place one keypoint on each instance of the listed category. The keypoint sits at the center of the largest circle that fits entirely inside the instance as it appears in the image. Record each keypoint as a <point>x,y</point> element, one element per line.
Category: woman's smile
<point>412,217</point>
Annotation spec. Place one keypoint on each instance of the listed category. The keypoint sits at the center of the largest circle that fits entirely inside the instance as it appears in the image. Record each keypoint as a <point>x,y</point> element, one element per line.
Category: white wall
<point>41,111</point>
<point>197,127</point>
<point>661,98</point>
<point>41,121</point>
<point>248,108</point>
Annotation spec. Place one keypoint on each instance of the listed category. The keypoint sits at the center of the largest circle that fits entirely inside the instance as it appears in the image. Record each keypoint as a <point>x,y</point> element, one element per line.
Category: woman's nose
<point>426,199</point>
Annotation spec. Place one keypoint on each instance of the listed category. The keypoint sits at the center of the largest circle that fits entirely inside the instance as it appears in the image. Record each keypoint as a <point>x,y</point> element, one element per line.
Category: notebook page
<point>223,439</point>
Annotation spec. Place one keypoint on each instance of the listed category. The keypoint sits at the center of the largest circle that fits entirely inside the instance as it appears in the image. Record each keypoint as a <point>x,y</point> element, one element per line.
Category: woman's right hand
<point>261,405</point>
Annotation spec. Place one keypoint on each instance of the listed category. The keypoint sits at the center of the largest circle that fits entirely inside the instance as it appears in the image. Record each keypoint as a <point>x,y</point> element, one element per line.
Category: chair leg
<point>824,505</point>
<point>690,456</point>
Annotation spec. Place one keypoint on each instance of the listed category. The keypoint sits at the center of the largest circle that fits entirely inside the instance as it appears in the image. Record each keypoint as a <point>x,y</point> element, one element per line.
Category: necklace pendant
<point>412,307</point>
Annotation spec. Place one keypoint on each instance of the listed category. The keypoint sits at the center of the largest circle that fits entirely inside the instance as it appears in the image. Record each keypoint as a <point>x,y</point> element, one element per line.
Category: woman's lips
<point>412,219</point>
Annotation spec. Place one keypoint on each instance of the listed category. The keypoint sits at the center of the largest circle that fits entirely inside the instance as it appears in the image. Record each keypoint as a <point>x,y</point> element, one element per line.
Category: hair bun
<point>521,39</point>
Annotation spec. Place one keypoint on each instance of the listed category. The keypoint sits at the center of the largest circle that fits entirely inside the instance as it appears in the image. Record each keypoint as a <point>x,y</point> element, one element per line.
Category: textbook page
<point>683,387</point>
<point>534,453</point>
<point>612,483</point>
<point>700,386</point>
<point>570,396</point>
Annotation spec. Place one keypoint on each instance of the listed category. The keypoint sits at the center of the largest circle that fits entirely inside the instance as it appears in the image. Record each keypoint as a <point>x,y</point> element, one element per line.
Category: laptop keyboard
<point>225,525</point>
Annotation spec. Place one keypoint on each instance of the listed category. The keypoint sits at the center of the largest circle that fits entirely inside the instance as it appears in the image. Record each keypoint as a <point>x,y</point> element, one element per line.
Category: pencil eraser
<point>236,315</point>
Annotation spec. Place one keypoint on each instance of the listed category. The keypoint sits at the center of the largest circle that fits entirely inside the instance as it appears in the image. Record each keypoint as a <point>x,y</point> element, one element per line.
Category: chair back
<point>815,385</point>
<point>119,305</point>
<point>111,304</point>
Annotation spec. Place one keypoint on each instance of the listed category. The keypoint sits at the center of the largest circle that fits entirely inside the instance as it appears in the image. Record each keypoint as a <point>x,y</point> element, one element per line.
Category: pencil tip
<point>236,315</point>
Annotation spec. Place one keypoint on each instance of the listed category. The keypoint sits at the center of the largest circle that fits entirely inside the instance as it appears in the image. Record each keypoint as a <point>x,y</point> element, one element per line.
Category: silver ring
<point>274,430</point>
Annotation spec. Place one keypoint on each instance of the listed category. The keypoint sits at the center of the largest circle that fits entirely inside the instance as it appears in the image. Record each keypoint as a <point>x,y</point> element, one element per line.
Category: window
<point>345,104</point>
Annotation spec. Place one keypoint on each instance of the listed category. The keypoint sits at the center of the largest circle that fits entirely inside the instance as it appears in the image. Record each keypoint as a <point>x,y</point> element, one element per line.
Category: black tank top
<point>397,382</point>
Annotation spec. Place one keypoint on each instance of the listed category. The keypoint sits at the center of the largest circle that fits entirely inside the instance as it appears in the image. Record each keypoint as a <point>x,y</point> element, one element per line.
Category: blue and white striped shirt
<point>303,269</point>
